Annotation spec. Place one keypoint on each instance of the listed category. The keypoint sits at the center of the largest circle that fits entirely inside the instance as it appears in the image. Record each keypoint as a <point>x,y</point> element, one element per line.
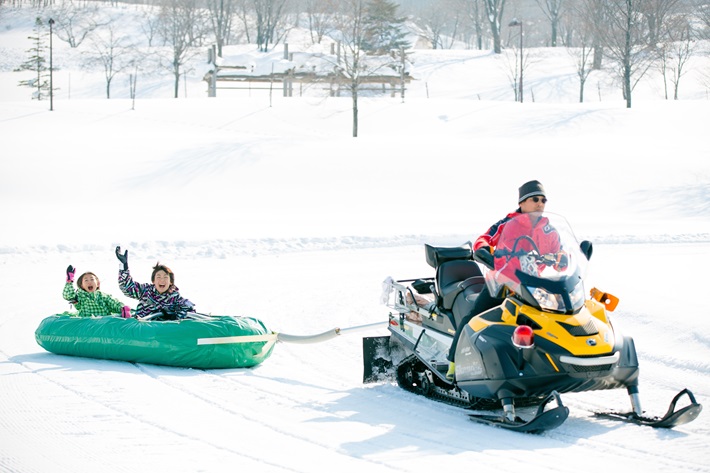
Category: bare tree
<point>75,23</point>
<point>320,15</point>
<point>702,13</point>
<point>243,12</point>
<point>113,52</point>
<point>352,27</point>
<point>474,12</point>
<point>624,40</point>
<point>270,16</point>
<point>657,13</point>
<point>494,12</point>
<point>150,25</point>
<point>592,15</point>
<point>354,65</point>
<point>567,30</point>
<point>512,59</point>
<point>177,27</point>
<point>582,55</point>
<point>221,13</point>
<point>198,18</point>
<point>674,56</point>
<point>553,11</point>
<point>440,23</point>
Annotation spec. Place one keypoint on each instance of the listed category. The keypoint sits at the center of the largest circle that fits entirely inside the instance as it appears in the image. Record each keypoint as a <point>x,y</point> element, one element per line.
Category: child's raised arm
<point>69,293</point>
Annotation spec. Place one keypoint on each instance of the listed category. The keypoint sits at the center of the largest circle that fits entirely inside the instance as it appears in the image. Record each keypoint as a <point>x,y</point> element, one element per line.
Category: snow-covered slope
<point>274,211</point>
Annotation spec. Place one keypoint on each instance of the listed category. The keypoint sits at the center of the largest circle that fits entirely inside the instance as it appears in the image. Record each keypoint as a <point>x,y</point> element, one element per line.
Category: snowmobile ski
<point>543,420</point>
<point>672,418</point>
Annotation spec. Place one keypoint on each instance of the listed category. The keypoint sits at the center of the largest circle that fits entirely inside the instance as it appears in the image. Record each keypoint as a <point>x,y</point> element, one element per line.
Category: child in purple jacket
<point>161,297</point>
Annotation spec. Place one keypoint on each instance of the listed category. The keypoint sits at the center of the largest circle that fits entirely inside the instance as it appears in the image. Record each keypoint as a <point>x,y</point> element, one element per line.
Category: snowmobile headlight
<point>546,300</point>
<point>577,296</point>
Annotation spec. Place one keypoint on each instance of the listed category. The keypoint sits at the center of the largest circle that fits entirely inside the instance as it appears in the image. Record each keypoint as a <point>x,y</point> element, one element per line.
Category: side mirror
<point>586,247</point>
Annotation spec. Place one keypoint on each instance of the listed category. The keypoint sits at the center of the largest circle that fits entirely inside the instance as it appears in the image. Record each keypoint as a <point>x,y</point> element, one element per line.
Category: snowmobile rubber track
<point>672,418</point>
<point>414,376</point>
<point>542,421</point>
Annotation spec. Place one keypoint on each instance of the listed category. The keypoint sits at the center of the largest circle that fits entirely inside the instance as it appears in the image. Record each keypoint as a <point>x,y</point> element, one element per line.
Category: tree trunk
<point>597,58</point>
<point>177,80</point>
<point>627,55</point>
<point>554,34</point>
<point>627,83</point>
<point>496,39</point>
<point>581,91</point>
<point>354,95</point>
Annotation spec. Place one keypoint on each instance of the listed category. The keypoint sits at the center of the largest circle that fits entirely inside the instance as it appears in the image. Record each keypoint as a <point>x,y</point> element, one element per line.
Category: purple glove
<point>70,273</point>
<point>126,312</point>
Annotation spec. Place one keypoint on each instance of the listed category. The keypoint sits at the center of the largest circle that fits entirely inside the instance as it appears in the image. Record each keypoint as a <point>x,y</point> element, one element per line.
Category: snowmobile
<point>544,338</point>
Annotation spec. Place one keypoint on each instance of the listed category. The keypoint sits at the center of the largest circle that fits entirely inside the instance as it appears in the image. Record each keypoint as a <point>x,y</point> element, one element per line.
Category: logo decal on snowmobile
<point>591,342</point>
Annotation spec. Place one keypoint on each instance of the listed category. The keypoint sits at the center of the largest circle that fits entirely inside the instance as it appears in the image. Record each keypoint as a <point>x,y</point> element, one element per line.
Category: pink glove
<point>70,273</point>
<point>126,312</point>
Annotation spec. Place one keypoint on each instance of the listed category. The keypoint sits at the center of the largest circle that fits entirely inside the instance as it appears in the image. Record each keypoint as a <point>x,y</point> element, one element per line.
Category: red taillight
<point>523,337</point>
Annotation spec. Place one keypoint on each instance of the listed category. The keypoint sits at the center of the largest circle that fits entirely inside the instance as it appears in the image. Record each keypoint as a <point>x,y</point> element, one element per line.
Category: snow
<point>271,209</point>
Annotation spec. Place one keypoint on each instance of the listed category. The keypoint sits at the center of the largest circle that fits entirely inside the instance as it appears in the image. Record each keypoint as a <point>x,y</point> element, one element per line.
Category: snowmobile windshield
<point>539,259</point>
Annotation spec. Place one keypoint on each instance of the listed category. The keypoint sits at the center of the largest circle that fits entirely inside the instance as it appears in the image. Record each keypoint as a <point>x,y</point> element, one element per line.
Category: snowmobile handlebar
<point>548,259</point>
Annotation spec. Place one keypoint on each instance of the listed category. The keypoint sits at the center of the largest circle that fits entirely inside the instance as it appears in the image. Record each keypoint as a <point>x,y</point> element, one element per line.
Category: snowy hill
<point>272,209</point>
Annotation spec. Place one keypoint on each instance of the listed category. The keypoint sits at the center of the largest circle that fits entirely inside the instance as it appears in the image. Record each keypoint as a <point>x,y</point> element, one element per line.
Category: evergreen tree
<point>37,63</point>
<point>384,29</point>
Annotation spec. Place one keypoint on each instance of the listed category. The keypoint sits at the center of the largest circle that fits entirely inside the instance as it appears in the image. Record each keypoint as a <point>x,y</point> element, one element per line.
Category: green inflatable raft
<point>209,343</point>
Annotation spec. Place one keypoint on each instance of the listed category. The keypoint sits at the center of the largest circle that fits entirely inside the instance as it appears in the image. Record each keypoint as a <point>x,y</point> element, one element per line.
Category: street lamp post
<point>520,82</point>
<point>51,69</point>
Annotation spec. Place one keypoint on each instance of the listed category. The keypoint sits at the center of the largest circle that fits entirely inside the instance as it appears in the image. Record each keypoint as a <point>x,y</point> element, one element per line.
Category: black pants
<point>483,302</point>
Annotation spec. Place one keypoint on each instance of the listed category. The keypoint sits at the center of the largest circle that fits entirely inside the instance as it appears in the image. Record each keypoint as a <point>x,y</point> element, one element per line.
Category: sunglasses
<point>537,199</point>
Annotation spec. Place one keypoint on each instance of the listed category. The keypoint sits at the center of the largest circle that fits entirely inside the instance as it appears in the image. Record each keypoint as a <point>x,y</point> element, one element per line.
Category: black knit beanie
<point>530,189</point>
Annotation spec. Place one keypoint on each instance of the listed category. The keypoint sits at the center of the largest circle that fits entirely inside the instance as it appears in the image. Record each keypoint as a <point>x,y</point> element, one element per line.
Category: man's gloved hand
<point>562,261</point>
<point>126,312</point>
<point>123,258</point>
<point>484,255</point>
<point>70,273</point>
<point>548,260</point>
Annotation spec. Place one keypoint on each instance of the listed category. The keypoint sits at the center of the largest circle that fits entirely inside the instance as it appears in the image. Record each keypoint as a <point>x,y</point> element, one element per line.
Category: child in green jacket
<point>88,299</point>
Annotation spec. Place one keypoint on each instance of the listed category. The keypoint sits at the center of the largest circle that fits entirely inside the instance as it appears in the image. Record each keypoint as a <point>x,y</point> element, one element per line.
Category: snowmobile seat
<point>450,278</point>
<point>436,256</point>
<point>464,302</point>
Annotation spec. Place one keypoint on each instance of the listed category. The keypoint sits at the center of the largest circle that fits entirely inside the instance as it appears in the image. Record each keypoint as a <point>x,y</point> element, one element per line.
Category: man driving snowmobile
<point>533,335</point>
<point>531,198</point>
